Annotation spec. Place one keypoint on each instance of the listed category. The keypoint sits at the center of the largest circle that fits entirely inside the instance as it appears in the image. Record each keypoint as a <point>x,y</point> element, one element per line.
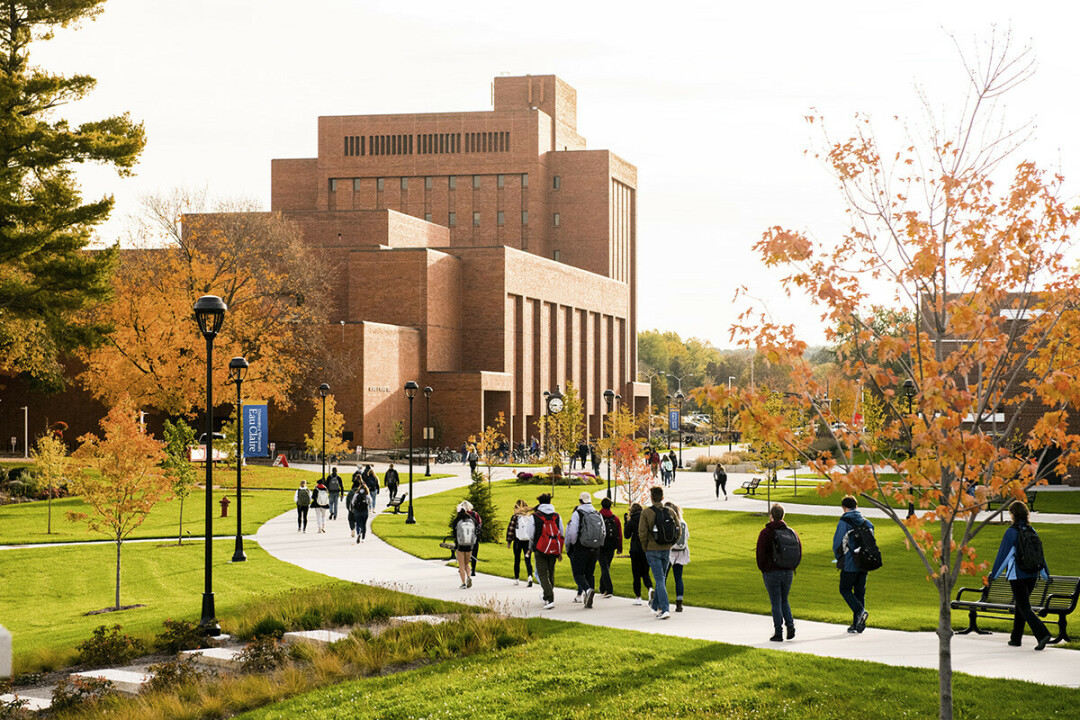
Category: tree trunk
<point>48,526</point>
<point>118,543</point>
<point>944,633</point>
<point>180,530</point>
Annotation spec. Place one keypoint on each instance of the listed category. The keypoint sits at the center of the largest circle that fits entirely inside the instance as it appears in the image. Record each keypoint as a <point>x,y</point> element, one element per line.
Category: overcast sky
<point>707,99</point>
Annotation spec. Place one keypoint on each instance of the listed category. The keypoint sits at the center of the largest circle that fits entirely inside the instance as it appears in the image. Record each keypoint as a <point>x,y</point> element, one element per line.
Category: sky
<point>707,99</point>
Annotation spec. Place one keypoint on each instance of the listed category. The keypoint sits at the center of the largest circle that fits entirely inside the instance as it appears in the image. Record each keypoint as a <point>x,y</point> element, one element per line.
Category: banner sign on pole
<point>256,432</point>
<point>673,420</point>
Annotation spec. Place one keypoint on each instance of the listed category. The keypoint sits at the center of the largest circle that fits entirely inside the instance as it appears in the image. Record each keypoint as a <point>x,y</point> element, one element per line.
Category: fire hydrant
<point>225,506</point>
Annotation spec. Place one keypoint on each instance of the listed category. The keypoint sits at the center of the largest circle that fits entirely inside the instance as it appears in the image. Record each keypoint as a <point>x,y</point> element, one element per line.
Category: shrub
<point>702,462</point>
<point>72,692</point>
<point>269,627</point>
<point>14,709</point>
<point>180,635</point>
<point>263,655</point>
<point>312,619</point>
<point>173,674</point>
<point>109,647</point>
<point>568,479</point>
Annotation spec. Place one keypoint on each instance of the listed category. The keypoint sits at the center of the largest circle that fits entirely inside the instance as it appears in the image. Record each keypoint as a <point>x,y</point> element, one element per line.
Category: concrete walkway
<point>377,563</point>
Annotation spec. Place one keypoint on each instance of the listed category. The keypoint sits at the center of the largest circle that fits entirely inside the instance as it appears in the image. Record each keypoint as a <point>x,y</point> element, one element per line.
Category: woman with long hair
<point>518,537</point>
<point>1008,562</point>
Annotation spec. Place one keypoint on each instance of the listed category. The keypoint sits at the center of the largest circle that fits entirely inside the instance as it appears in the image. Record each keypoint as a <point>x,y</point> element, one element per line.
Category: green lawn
<point>723,573</point>
<point>1066,501</point>
<point>271,478</point>
<point>574,671</point>
<point>47,591</point>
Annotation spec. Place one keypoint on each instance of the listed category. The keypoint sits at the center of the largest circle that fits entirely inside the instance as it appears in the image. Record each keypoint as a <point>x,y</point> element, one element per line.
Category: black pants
<point>1023,613</point>
<point>639,566</point>
<point>301,518</point>
<point>361,525</point>
<point>472,560</point>
<point>392,489</point>
<point>583,563</point>
<point>521,547</point>
<point>606,556</point>
<point>721,484</point>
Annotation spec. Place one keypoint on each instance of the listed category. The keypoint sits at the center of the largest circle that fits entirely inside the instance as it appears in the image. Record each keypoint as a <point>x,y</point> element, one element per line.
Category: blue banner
<point>256,433</point>
<point>673,420</point>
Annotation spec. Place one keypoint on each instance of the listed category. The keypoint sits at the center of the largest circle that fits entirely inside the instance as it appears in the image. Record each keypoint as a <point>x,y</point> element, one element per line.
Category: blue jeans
<point>333,505</point>
<point>853,590</point>
<point>676,570</point>
<point>659,561</point>
<point>778,585</point>
<point>583,563</point>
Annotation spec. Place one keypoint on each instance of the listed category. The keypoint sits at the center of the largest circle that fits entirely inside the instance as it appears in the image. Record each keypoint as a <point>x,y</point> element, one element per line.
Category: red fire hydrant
<point>225,506</point>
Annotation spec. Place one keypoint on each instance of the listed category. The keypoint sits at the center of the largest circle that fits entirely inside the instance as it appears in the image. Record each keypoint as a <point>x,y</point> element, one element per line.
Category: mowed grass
<point>46,592</point>
<point>573,671</point>
<point>267,478</point>
<point>723,571</point>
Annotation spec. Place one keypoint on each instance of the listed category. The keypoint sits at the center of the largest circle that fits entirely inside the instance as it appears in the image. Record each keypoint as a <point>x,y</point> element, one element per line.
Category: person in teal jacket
<point>1022,582</point>
<point>852,579</point>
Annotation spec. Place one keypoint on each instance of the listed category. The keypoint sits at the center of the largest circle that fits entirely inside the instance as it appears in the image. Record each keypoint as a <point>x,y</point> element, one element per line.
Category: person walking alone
<point>779,551</point>
<point>1011,557</point>
<point>639,566</point>
<point>720,477</point>
<point>466,532</point>
<point>852,578</point>
<point>391,480</point>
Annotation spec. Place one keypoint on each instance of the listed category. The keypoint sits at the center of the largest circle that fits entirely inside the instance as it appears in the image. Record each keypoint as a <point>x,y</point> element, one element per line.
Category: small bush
<point>263,655</point>
<point>312,619</point>
<point>702,462</point>
<point>180,635</point>
<point>269,627</point>
<point>348,615</point>
<point>172,675</point>
<point>109,647</point>
<point>567,479</point>
<point>70,693</point>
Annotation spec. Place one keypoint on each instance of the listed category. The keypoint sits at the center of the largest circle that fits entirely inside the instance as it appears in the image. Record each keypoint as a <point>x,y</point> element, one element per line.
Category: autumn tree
<point>51,461</point>
<point>974,250</point>
<point>488,443</point>
<point>335,422</point>
<point>179,437</point>
<point>121,479</point>
<point>277,291</point>
<point>47,277</point>
<point>621,447</point>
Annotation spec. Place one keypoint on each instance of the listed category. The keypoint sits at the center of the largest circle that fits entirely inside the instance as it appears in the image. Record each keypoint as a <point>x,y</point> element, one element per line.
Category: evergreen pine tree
<point>480,497</point>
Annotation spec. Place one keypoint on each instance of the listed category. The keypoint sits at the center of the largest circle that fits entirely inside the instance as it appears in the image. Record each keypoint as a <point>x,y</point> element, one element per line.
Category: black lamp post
<point>410,392</point>
<point>609,397</point>
<point>209,314</point>
<point>679,396</point>
<point>324,390</point>
<point>238,368</point>
<point>427,430</point>
<point>909,393</point>
<point>730,378</point>
<point>667,409</point>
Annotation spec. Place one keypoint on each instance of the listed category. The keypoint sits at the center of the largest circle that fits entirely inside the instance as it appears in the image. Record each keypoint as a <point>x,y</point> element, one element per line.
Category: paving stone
<point>314,637</point>
<point>5,652</point>
<point>429,619</point>
<point>30,703</point>
<point>125,681</point>
<point>217,658</point>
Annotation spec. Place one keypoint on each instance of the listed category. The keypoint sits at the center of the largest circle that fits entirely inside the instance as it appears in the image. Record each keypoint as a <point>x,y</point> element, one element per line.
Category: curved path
<point>377,563</point>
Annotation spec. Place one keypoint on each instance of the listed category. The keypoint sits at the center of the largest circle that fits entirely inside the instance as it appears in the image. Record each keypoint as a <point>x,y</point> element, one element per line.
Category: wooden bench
<point>395,502</point>
<point>1056,596</point>
<point>751,486</point>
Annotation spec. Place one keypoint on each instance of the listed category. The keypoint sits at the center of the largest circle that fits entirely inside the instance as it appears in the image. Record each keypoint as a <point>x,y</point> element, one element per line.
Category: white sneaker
<point>549,606</point>
<point>577,598</point>
<point>637,601</point>
<point>515,581</point>
<point>664,615</point>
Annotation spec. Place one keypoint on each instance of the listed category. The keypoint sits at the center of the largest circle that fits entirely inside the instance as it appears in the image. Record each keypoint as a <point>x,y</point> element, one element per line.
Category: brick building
<point>488,255</point>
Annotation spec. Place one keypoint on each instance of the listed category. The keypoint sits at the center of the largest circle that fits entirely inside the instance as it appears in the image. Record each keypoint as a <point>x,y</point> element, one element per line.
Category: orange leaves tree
<point>276,289</point>
<point>980,377</point>
<point>487,445</point>
<point>121,479</point>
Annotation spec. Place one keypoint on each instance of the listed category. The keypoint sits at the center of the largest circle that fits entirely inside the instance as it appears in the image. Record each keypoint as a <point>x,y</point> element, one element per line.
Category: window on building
<point>500,218</point>
<point>500,180</point>
<point>556,220</point>
<point>476,219</point>
<point>556,182</point>
<point>452,181</point>
<point>525,180</point>
<point>476,182</point>
<point>452,220</point>
<point>557,256</point>
<point>380,183</point>
<point>524,217</point>
<point>404,183</point>
<point>427,183</point>
<point>356,184</point>
<point>333,184</point>
<point>427,217</point>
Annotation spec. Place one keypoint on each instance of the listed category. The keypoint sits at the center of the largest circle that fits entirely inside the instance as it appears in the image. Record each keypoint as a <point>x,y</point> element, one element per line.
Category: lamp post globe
<point>238,368</point>
<point>427,430</point>
<point>209,315</point>
<point>410,392</point>
<point>324,390</point>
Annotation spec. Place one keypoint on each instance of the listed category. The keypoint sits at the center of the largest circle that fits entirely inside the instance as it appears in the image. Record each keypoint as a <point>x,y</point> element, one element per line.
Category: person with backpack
<point>779,552</point>
<point>361,507</point>
<point>548,539</point>
<point>371,480</point>
<point>320,499</point>
<point>302,498</point>
<point>639,566</point>
<point>658,529</point>
<point>584,538</point>
<point>720,477</point>
<point>1020,559</point>
<point>519,537</point>
<point>474,458</point>
<point>666,470</point>
<point>612,544</point>
<point>391,480</point>
<point>349,500</point>
<point>465,527</point>
<point>680,555</point>
<point>853,532</point>
<point>334,487</point>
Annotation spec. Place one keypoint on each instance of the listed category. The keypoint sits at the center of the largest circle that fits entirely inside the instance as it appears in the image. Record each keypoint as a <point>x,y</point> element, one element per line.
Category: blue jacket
<point>846,560</point>
<point>1005,562</point>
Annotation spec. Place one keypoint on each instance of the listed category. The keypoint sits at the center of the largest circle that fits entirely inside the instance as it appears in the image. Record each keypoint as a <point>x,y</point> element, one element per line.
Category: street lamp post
<point>609,397</point>
<point>210,315</point>
<point>26,431</point>
<point>410,392</point>
<point>427,430</point>
<point>667,411</point>
<point>909,393</point>
<point>324,390</point>
<point>238,368</point>
<point>730,378</point>
<point>679,396</point>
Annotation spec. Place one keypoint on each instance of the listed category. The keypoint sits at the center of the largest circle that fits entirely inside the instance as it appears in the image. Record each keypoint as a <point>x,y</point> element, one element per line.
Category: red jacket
<point>606,513</point>
<point>765,546</point>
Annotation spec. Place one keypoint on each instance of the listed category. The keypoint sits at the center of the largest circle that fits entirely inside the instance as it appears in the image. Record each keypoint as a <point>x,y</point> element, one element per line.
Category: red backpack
<point>550,541</point>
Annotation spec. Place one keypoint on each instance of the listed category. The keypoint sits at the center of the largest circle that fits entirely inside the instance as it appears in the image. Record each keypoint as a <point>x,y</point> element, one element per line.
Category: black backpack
<point>611,539</point>
<point>786,548</point>
<point>1029,550</point>
<point>863,545</point>
<point>664,530</point>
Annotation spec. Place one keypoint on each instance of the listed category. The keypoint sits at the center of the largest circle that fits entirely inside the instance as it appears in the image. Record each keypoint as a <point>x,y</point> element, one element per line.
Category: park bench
<point>751,486</point>
<point>1056,596</point>
<point>395,502</point>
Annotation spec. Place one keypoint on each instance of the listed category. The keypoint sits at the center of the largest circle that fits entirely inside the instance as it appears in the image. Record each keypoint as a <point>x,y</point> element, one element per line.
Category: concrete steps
<point>34,704</point>
<point>215,658</point>
<point>320,638</point>
<point>123,681</point>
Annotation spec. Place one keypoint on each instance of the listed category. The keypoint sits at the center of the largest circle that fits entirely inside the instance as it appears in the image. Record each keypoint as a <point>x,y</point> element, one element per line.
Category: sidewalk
<point>377,563</point>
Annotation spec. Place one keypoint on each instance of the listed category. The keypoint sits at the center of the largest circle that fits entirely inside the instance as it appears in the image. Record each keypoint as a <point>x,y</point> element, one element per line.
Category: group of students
<point>359,501</point>
<point>663,465</point>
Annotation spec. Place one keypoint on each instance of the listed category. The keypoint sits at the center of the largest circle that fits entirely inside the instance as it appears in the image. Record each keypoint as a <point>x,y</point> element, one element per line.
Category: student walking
<point>547,545</point>
<point>302,498</point>
<point>361,504</point>
<point>639,566</point>
<point>852,577</point>
<point>680,554</point>
<point>779,551</point>
<point>334,487</point>
<point>667,470</point>
<point>1020,559</point>
<point>371,480</point>
<point>612,544</point>
<point>720,477</point>
<point>658,531</point>
<point>519,538</point>
<point>466,531</point>
<point>391,480</point>
<point>584,538</point>
<point>320,498</point>
<point>349,507</point>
